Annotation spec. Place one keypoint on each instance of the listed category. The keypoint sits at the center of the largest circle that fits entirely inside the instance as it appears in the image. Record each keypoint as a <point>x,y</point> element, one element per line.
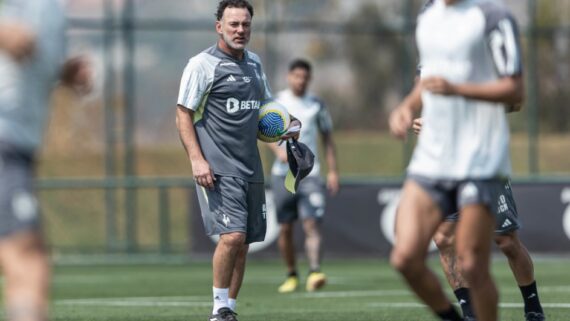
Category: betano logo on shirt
<point>234,105</point>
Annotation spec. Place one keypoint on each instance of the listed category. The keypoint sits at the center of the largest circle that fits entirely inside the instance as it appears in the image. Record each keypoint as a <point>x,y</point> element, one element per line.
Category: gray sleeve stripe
<point>511,47</point>
<point>503,37</point>
<point>324,119</point>
<point>505,49</point>
<point>186,84</point>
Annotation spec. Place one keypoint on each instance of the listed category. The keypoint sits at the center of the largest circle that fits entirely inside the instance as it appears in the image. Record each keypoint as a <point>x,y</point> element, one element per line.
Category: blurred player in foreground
<point>308,202</point>
<point>467,79</point>
<point>506,238</point>
<point>217,115</point>
<point>32,44</point>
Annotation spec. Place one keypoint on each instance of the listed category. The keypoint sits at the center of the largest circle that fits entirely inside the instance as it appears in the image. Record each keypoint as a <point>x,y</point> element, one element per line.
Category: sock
<point>530,297</point>
<point>232,304</point>
<point>220,299</point>
<point>314,270</point>
<point>292,274</point>
<point>450,315</point>
<point>462,295</point>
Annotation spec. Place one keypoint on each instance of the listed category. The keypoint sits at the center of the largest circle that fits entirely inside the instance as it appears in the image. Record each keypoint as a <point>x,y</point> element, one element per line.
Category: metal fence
<point>120,150</point>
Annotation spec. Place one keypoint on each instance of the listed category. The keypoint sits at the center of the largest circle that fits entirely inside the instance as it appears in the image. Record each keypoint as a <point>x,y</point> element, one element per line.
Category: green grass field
<point>359,290</point>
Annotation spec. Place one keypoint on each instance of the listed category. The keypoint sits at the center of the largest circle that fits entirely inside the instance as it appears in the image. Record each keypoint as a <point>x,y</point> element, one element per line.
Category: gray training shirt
<point>225,95</point>
<point>25,86</point>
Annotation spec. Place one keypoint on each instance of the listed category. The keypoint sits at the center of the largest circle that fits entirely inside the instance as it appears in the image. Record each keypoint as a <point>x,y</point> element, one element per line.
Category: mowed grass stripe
<point>364,290</point>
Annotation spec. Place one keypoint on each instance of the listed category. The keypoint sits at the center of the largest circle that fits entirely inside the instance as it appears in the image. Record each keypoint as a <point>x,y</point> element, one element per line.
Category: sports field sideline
<point>359,290</point>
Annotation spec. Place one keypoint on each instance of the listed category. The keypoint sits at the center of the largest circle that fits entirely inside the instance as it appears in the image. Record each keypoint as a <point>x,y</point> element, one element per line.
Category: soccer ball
<point>273,121</point>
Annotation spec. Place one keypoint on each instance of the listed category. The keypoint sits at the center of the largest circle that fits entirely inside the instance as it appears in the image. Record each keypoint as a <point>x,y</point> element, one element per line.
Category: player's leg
<point>417,220</point>
<point>311,208</point>
<point>523,270</point>
<point>473,237</point>
<point>25,264</point>
<point>228,253</point>
<point>287,247</point>
<point>255,232</point>
<point>316,279</point>
<point>224,212</point>
<point>23,256</point>
<point>519,259</point>
<point>286,207</point>
<point>312,243</point>
<point>237,276</point>
<point>445,241</point>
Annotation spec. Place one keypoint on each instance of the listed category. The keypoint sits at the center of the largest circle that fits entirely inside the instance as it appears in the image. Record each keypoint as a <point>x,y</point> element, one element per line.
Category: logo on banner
<point>390,198</point>
<point>565,198</point>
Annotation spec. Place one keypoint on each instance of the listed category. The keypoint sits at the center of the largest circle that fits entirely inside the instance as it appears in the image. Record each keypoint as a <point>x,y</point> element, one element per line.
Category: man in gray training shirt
<point>220,94</point>
<point>32,44</point>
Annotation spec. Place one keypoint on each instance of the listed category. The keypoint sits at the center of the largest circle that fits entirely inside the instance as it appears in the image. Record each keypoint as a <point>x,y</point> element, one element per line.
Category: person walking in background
<point>308,202</point>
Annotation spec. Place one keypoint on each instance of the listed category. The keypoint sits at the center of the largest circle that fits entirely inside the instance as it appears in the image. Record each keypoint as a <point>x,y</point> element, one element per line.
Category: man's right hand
<point>203,175</point>
<point>400,121</point>
<point>77,74</point>
<point>17,40</point>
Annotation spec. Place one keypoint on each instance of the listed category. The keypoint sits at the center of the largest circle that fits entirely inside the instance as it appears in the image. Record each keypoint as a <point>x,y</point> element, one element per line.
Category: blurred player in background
<point>467,79</point>
<point>32,44</point>
<point>308,202</point>
<point>218,106</point>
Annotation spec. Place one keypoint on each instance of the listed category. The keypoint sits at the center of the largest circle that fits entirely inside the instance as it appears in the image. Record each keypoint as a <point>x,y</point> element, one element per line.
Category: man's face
<point>299,79</point>
<point>235,28</point>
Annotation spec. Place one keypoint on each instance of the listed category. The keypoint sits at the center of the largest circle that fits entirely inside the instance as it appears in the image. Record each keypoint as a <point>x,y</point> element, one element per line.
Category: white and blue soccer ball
<point>273,121</point>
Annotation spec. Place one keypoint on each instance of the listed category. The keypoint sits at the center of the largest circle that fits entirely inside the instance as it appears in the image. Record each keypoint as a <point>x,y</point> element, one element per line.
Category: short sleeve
<point>324,119</point>
<point>504,43</point>
<point>193,86</point>
<point>52,42</point>
<point>423,9</point>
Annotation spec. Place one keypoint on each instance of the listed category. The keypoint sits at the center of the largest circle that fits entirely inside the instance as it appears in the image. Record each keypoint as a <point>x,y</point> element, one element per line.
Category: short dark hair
<point>233,4</point>
<point>300,63</point>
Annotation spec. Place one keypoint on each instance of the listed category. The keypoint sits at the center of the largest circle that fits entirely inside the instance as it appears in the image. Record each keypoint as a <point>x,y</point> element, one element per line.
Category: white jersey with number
<point>315,119</point>
<point>471,41</point>
<point>25,86</point>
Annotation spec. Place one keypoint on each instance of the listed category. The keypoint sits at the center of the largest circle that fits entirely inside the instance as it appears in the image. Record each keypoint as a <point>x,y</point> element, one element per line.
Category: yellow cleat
<point>316,281</point>
<point>289,285</point>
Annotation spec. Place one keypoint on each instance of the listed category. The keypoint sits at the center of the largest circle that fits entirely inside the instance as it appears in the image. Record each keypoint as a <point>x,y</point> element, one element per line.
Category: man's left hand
<point>292,134</point>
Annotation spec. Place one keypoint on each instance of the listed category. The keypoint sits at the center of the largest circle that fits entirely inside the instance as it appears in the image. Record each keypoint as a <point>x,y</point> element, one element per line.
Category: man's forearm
<point>187,132</point>
<point>413,100</point>
<point>273,147</point>
<point>330,152</point>
<point>509,90</point>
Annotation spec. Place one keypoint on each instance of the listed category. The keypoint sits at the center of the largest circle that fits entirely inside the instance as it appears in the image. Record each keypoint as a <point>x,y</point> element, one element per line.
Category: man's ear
<point>219,27</point>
